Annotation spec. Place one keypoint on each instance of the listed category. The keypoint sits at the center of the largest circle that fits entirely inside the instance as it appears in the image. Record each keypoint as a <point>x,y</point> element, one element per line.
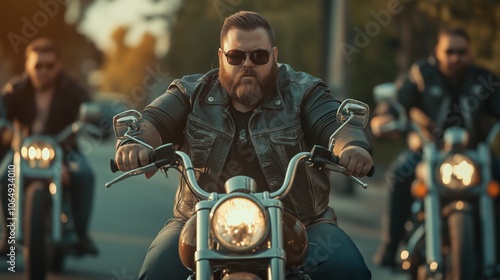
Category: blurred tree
<point>370,47</point>
<point>479,18</point>
<point>409,34</point>
<point>383,51</point>
<point>129,70</point>
<point>195,38</point>
<point>25,20</point>
<point>370,51</point>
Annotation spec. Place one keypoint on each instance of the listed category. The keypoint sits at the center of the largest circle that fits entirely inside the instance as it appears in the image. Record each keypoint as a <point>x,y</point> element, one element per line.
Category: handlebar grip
<point>114,167</point>
<point>335,159</point>
<point>371,172</point>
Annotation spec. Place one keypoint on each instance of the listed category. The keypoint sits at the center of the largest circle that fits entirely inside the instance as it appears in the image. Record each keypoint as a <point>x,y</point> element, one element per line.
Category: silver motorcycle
<point>39,206</point>
<point>451,233</point>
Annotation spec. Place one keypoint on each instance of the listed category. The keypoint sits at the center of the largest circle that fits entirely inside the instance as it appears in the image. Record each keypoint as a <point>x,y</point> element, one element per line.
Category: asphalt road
<point>127,216</point>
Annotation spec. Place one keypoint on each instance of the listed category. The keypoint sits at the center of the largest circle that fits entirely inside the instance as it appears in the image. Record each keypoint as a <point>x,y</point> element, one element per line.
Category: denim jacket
<point>194,114</point>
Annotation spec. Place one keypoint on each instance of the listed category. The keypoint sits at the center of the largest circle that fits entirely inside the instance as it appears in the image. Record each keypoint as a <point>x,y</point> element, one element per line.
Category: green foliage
<point>375,61</point>
<point>411,35</point>
<point>195,38</point>
<point>479,18</point>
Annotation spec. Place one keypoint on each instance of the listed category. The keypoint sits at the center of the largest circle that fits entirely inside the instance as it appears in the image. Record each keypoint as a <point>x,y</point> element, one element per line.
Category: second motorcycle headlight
<point>239,223</point>
<point>38,154</point>
<point>458,171</point>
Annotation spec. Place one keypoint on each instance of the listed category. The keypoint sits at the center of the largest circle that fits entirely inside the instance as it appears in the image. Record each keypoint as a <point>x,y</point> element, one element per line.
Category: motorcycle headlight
<point>38,154</point>
<point>239,223</point>
<point>458,171</point>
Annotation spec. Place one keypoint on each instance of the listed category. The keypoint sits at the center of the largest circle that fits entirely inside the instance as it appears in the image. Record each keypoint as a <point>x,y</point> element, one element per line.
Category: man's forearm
<point>150,136</point>
<point>353,137</point>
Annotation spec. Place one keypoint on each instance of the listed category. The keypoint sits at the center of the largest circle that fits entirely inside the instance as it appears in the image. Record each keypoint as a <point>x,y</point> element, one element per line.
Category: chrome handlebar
<point>166,156</point>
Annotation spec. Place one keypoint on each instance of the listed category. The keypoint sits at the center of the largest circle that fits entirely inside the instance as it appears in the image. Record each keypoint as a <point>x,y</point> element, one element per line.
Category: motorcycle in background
<point>42,209</point>
<point>240,234</point>
<point>451,231</point>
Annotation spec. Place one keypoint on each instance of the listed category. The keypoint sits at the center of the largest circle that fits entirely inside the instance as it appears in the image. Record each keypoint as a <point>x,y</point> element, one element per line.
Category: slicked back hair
<point>43,45</point>
<point>246,21</point>
<point>453,31</point>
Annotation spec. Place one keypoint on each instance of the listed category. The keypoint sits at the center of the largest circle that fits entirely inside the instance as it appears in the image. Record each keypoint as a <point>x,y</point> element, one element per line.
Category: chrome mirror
<point>388,93</point>
<point>128,123</point>
<point>385,92</point>
<point>353,113</point>
<point>90,112</point>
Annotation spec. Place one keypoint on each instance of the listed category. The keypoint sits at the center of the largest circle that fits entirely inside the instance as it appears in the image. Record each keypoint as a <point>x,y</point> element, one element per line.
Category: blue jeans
<point>332,255</point>
<point>81,189</point>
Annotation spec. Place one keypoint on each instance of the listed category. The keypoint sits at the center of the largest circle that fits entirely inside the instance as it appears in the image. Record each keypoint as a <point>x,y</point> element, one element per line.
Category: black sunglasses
<point>237,57</point>
<point>49,66</point>
<point>456,51</point>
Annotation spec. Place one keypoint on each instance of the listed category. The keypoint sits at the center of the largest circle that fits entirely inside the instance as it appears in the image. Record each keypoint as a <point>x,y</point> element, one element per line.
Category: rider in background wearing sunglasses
<point>45,100</point>
<point>473,97</point>
<point>250,117</point>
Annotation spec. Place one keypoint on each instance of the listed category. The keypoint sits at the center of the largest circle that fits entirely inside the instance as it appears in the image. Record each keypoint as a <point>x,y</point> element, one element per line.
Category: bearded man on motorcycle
<point>448,90</point>
<point>250,117</point>
<point>44,100</point>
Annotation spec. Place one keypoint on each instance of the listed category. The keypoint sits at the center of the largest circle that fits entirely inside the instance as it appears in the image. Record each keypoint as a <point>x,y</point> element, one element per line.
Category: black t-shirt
<point>454,116</point>
<point>242,159</point>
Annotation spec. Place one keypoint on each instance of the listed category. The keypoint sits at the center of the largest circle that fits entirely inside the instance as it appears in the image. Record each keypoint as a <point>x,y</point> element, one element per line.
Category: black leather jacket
<point>425,88</point>
<point>19,98</point>
<point>194,114</point>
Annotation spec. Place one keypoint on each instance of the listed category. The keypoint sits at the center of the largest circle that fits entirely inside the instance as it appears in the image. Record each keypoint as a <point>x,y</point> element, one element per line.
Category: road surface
<point>127,217</point>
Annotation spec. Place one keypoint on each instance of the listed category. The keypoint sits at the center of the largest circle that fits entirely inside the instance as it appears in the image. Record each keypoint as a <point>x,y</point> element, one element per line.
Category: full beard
<point>455,73</point>
<point>43,83</point>
<point>248,92</point>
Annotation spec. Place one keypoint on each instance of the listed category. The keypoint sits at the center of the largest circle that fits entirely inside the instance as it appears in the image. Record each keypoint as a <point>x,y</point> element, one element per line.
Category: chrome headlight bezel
<point>239,213</point>
<point>38,154</point>
<point>458,171</point>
